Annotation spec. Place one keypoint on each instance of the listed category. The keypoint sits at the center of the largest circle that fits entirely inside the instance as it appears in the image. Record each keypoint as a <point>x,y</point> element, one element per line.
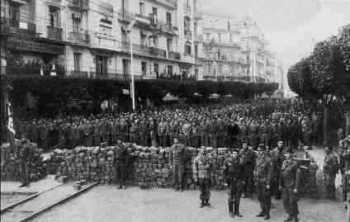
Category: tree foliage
<point>54,95</point>
<point>326,71</point>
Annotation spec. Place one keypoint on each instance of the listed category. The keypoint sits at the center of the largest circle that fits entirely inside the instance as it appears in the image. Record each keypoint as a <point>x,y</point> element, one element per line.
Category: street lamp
<point>132,84</point>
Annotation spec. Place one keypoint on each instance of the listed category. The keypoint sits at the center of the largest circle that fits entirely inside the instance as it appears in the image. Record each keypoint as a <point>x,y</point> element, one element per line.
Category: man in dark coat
<point>233,173</point>
<point>122,162</point>
<point>248,157</point>
<point>277,160</point>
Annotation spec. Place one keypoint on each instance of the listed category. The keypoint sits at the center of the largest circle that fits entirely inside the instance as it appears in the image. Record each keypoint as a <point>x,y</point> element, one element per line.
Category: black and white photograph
<point>175,110</point>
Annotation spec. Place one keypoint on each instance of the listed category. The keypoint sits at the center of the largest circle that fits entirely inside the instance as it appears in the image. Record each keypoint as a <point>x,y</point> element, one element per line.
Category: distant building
<point>232,49</point>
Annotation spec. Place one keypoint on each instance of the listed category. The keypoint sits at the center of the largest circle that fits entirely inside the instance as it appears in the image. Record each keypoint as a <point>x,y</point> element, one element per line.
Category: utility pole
<point>132,83</point>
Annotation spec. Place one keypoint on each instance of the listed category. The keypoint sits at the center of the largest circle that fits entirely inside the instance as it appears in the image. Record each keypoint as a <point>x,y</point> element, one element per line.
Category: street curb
<point>35,214</point>
<point>34,195</point>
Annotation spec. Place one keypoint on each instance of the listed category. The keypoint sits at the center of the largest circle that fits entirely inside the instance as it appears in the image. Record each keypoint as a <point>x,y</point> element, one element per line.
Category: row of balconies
<point>151,21</point>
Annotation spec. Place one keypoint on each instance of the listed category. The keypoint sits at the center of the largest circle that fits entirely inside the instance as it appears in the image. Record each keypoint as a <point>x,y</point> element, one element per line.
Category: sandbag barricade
<point>147,167</point>
<point>13,158</point>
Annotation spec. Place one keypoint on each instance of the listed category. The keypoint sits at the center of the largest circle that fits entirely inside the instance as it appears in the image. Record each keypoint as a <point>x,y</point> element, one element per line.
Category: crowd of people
<point>215,126</point>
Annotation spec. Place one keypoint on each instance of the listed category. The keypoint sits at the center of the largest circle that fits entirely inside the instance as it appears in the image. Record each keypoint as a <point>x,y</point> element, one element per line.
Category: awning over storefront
<point>33,46</point>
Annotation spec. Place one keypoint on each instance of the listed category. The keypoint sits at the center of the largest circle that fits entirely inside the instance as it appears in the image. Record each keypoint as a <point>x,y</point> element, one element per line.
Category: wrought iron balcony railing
<point>81,38</point>
<point>54,33</point>
<point>16,27</point>
<point>81,5</point>
<point>144,50</point>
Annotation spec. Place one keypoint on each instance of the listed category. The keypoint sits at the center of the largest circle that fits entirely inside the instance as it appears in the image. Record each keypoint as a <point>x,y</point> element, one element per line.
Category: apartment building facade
<point>93,38</point>
<point>232,49</point>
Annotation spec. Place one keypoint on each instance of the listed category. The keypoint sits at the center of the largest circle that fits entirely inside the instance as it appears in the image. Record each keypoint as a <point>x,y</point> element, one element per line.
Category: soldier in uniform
<point>233,173</point>
<point>277,160</point>
<point>177,163</point>
<point>248,160</point>
<point>26,158</point>
<point>289,184</point>
<point>330,169</point>
<point>201,175</point>
<point>263,175</point>
<point>122,162</point>
<point>345,165</point>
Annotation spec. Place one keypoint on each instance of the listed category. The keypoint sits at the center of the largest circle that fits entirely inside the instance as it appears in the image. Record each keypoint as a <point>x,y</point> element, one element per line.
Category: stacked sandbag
<point>147,167</point>
<point>22,153</point>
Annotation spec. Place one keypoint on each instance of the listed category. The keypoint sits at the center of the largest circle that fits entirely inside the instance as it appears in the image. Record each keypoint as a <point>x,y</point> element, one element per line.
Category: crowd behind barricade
<point>197,126</point>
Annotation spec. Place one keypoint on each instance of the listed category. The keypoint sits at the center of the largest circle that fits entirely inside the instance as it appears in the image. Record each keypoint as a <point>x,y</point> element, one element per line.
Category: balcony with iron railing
<point>17,27</point>
<point>54,33</point>
<point>174,55</point>
<point>125,16</point>
<point>144,50</point>
<point>79,38</point>
<point>168,28</point>
<point>81,5</point>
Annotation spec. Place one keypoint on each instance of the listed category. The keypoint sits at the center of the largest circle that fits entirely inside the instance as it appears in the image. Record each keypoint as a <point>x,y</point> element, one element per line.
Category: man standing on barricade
<point>233,173</point>
<point>201,175</point>
<point>263,175</point>
<point>277,156</point>
<point>289,185</point>
<point>330,170</point>
<point>121,163</point>
<point>248,157</point>
<point>177,163</point>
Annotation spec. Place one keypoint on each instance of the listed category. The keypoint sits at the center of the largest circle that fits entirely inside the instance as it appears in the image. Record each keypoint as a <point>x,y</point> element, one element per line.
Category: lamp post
<point>132,83</point>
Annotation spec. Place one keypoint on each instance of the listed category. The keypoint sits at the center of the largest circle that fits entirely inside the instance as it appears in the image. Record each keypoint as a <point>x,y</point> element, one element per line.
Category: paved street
<point>106,203</point>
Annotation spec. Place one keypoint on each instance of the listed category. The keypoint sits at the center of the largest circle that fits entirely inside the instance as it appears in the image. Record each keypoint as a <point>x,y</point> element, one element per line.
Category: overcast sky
<point>291,26</point>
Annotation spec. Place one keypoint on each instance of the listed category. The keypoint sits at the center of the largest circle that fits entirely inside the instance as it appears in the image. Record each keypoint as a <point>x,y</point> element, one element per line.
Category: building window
<point>156,69</point>
<point>54,16</point>
<point>142,8</point>
<point>77,58</point>
<point>155,41</point>
<point>196,51</point>
<point>169,44</point>
<point>126,67</point>
<point>170,70</point>
<point>188,49</point>
<point>76,23</point>
<point>101,65</point>
<point>168,18</point>
<point>154,15</point>
<point>124,36</point>
<point>143,39</point>
<point>14,13</point>
<point>144,68</point>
